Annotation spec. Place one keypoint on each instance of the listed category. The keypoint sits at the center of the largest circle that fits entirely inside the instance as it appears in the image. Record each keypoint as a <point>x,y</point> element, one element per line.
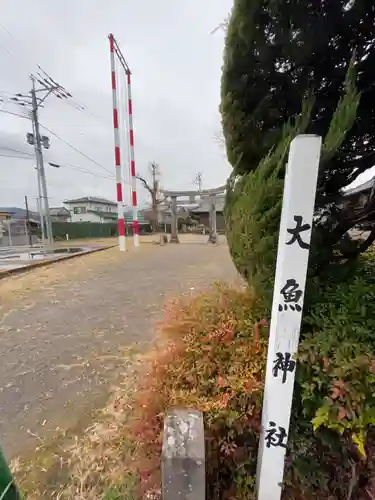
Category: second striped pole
<point>132,164</point>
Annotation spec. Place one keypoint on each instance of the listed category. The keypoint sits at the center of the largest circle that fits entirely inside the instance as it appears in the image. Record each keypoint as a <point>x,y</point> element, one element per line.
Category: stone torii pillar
<point>212,238</point>
<point>174,222</point>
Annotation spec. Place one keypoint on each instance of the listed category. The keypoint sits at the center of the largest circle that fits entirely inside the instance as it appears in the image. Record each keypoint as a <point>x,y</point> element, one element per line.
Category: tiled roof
<point>59,211</point>
<point>204,205</point>
<point>359,189</point>
<point>94,199</point>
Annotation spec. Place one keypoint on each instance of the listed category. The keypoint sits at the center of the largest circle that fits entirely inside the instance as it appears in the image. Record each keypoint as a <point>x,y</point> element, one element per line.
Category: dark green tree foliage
<point>277,52</point>
<point>295,67</point>
<point>253,209</point>
<point>253,204</point>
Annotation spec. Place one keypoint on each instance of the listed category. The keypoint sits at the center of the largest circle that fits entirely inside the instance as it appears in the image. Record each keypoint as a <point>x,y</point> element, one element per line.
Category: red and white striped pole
<point>120,205</point>
<point>132,164</point>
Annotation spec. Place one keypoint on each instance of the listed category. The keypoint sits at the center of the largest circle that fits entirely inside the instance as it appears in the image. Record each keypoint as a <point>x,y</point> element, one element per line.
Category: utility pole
<point>40,162</point>
<point>28,221</point>
<point>199,180</point>
<point>47,86</point>
<point>155,174</point>
<point>156,190</point>
<point>39,205</point>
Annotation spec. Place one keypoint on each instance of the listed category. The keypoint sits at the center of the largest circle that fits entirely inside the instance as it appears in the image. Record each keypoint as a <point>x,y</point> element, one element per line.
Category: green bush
<point>335,385</point>
<point>254,200</point>
<point>213,358</point>
<point>253,208</point>
<point>330,445</point>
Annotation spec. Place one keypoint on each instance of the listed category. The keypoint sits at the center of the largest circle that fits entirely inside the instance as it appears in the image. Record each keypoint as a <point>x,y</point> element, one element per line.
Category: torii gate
<point>211,193</point>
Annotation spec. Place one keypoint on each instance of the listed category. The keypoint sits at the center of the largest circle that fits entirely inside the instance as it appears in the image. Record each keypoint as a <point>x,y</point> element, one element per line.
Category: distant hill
<point>19,213</point>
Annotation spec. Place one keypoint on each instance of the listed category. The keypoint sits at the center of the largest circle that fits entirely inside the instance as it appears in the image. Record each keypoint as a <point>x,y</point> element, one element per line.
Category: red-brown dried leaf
<point>257,333</point>
<point>335,393</point>
<point>225,400</point>
<point>228,337</point>
<point>342,413</point>
<point>339,383</point>
<point>338,389</point>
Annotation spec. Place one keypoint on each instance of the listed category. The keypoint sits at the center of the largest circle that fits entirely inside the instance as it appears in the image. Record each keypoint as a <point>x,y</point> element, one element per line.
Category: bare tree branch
<point>222,26</point>
<point>145,184</point>
<point>158,202</point>
<point>153,188</point>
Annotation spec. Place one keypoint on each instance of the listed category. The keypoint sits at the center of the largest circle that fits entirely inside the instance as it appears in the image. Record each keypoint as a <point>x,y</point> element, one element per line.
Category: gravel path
<point>64,330</point>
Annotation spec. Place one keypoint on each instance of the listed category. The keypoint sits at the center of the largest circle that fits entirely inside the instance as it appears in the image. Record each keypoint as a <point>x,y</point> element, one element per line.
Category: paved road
<point>61,347</point>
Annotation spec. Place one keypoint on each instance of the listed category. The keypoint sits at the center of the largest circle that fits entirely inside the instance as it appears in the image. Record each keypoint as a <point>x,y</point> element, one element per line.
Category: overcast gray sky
<point>176,66</point>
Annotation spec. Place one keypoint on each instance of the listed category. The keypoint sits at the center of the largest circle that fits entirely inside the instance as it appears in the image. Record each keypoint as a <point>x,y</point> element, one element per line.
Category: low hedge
<point>213,358</point>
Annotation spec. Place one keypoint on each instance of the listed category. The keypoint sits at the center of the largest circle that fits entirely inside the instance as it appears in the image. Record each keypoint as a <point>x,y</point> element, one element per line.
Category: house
<point>17,213</point>
<point>202,212</point>
<point>95,209</point>
<point>358,196</point>
<point>59,214</point>
<point>5,215</point>
<point>16,229</point>
<point>91,209</point>
<point>166,214</point>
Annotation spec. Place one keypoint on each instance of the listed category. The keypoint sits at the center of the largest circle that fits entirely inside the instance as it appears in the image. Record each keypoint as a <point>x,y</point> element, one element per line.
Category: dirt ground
<point>64,329</point>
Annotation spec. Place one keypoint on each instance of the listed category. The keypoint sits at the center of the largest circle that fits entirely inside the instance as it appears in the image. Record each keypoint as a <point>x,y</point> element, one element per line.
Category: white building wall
<point>89,216</point>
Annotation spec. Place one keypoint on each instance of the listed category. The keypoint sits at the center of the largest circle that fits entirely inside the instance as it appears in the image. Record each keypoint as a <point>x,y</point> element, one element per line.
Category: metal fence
<point>20,232</point>
<point>17,232</point>
<point>73,230</point>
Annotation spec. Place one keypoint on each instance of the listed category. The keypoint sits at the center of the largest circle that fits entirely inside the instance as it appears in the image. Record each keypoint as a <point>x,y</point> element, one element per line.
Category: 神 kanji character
<point>275,436</point>
<point>296,233</point>
<point>291,294</point>
<point>283,363</point>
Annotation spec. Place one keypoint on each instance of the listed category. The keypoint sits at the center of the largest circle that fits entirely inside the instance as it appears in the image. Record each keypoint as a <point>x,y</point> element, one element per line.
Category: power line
<point>15,156</point>
<point>6,30</point>
<point>86,171</point>
<point>3,46</point>
<point>15,114</point>
<point>72,167</point>
<point>61,139</point>
<point>17,57</point>
<point>102,120</point>
<point>76,149</point>
<point>6,96</point>
<point>76,103</point>
<point>46,80</point>
<point>7,50</point>
<point>70,100</point>
<point>16,151</point>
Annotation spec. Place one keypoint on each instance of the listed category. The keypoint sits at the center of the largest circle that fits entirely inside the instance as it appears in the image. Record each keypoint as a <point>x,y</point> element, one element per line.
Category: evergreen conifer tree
<point>295,67</point>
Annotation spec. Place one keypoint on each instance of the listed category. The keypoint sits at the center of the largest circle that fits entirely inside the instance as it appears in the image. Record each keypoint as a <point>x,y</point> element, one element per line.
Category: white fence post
<point>290,281</point>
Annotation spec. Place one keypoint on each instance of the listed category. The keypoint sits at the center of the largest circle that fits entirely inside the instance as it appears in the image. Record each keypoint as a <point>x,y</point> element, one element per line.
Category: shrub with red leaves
<point>211,360</point>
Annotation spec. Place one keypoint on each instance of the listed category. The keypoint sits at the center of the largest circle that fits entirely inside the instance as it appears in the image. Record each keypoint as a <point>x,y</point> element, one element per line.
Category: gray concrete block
<point>183,456</point>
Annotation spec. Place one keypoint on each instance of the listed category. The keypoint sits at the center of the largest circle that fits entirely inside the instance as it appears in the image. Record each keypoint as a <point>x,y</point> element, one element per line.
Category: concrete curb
<point>30,267</point>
